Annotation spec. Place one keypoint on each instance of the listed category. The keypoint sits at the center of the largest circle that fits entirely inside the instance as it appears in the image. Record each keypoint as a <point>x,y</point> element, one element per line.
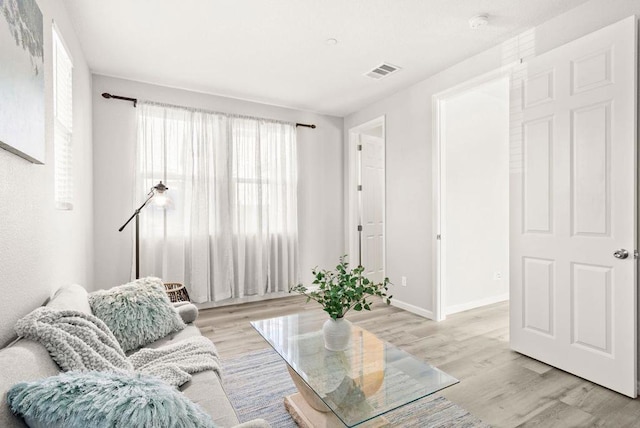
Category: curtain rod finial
<point>106,95</point>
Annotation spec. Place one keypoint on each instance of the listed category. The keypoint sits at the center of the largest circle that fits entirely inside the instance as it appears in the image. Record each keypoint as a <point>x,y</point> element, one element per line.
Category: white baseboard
<point>476,304</point>
<point>412,308</point>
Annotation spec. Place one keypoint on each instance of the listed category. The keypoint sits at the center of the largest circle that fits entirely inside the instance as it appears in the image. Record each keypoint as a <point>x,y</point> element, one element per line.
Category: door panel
<point>573,203</point>
<point>590,178</point>
<point>538,153</point>
<point>538,286</point>
<point>591,311</point>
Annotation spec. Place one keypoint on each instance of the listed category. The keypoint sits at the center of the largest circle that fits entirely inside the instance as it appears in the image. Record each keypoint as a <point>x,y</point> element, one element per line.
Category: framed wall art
<point>22,79</point>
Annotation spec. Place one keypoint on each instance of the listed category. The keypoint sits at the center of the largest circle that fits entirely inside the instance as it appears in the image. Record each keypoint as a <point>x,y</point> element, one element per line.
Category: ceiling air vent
<point>383,70</point>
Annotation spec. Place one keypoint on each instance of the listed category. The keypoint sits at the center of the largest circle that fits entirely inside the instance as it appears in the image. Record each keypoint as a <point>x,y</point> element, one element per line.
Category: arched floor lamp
<point>156,191</point>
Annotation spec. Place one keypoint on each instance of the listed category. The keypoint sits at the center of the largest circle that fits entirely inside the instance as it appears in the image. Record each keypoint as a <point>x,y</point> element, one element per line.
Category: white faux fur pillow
<point>137,313</point>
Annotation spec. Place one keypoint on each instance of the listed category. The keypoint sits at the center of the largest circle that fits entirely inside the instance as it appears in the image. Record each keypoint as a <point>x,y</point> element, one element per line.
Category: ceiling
<point>275,51</point>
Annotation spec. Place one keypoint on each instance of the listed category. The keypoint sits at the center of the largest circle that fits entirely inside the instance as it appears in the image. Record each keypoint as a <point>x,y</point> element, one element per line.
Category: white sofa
<point>26,360</point>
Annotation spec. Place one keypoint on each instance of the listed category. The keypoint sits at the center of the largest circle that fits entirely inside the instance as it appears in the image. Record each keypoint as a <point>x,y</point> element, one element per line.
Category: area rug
<point>257,383</point>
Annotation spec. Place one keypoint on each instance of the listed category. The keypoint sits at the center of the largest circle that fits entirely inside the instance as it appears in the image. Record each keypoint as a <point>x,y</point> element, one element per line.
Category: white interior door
<point>372,206</point>
<point>573,204</point>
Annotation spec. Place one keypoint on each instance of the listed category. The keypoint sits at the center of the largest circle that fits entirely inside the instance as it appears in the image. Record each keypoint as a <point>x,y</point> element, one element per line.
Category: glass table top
<point>371,377</point>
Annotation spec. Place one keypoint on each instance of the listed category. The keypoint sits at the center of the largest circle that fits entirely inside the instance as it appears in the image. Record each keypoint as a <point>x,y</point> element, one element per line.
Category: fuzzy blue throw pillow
<point>137,313</point>
<point>104,399</point>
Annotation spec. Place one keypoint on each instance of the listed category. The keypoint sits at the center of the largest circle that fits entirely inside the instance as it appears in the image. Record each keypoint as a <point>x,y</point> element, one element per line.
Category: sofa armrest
<point>187,311</point>
<point>255,423</point>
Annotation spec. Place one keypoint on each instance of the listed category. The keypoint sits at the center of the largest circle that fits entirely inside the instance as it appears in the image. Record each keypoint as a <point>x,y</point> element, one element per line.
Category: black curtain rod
<point>118,97</point>
<point>135,104</point>
<point>306,125</point>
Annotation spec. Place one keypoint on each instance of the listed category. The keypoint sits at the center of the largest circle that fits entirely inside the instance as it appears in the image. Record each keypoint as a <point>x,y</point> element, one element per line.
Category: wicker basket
<point>177,292</point>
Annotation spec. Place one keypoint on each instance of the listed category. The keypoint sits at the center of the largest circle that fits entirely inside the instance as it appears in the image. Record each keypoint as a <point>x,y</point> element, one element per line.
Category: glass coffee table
<point>354,387</point>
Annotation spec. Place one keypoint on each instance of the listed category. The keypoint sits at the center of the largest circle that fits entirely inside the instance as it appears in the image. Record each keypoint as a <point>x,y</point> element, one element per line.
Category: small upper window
<point>63,123</point>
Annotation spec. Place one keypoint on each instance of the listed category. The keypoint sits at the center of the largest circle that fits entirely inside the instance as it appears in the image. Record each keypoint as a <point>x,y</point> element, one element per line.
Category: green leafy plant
<point>343,289</point>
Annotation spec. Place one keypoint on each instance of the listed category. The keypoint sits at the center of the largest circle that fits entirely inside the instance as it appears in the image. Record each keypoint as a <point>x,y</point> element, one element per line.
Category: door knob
<point>621,254</point>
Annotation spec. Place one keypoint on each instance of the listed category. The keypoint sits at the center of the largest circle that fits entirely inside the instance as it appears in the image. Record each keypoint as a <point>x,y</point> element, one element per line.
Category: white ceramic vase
<point>337,334</point>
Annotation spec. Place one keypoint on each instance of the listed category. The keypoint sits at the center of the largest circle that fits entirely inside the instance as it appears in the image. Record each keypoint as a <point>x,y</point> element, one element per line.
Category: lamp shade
<point>160,198</point>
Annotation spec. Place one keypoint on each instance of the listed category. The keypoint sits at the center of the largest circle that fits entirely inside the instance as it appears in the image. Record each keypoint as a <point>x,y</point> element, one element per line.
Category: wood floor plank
<point>561,415</point>
<point>500,386</point>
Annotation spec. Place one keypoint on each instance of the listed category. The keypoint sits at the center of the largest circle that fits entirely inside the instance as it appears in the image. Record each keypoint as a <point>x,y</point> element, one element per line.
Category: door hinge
<point>359,228</point>
<point>359,147</point>
<point>438,237</point>
<point>359,187</point>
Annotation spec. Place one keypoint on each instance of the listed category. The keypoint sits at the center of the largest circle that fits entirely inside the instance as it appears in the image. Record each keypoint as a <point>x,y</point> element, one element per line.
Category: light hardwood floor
<point>501,387</point>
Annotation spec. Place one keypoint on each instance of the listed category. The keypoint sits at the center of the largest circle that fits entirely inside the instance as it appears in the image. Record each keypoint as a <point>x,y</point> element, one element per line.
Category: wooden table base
<point>307,417</point>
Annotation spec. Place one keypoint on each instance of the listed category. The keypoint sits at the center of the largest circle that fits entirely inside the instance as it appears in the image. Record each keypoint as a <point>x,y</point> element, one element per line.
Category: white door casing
<point>372,197</point>
<point>572,204</point>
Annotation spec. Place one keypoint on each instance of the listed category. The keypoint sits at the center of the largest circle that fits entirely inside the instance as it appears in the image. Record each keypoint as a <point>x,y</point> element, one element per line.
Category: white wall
<point>475,216</point>
<point>41,247</point>
<point>409,146</point>
<point>320,195</point>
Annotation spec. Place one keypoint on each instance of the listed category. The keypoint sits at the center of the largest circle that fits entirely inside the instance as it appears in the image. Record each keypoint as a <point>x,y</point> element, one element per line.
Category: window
<point>63,123</point>
<point>261,175</point>
<point>232,230</point>
<point>246,165</point>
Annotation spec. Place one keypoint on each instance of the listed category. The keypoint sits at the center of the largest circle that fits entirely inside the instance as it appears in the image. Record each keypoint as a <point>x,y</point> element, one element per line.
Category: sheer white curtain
<point>231,229</point>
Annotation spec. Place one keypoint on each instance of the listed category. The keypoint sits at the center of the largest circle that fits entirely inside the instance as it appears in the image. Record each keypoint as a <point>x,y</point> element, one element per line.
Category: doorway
<point>366,193</point>
<point>473,197</point>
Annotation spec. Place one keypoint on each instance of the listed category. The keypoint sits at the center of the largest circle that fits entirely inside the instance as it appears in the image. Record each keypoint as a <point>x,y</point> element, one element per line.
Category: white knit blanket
<point>78,341</point>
